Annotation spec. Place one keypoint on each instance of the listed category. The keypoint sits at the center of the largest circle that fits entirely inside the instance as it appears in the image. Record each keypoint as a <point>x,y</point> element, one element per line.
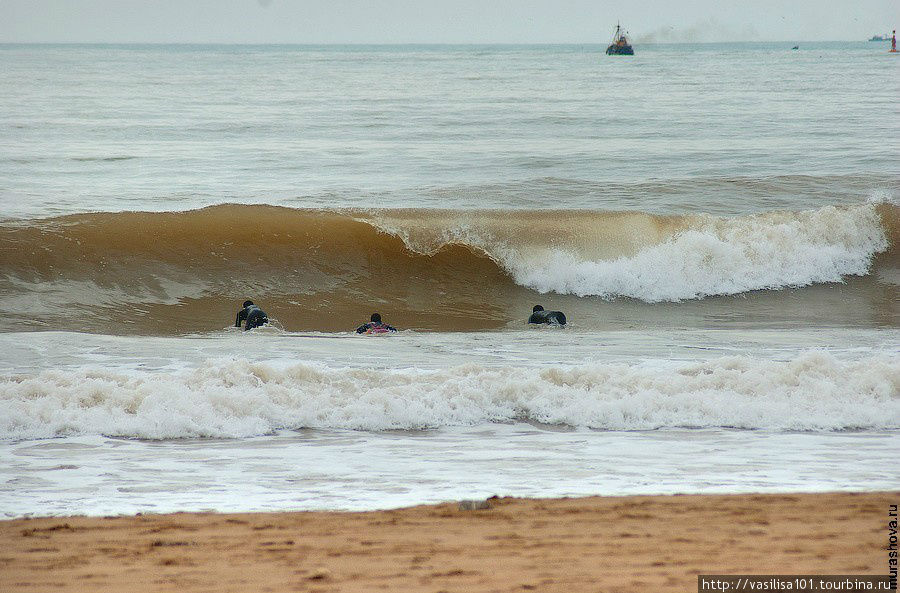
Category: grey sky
<point>429,21</point>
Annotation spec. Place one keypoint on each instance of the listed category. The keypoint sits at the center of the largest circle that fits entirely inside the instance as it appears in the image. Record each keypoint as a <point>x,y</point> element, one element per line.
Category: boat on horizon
<point>880,38</point>
<point>619,45</point>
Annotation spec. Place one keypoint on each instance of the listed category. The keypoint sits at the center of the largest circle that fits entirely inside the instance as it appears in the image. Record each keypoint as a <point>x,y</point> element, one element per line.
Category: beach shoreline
<point>624,544</point>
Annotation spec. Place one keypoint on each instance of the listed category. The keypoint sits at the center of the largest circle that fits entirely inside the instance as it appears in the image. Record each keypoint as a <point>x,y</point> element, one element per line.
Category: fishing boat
<point>620,45</point>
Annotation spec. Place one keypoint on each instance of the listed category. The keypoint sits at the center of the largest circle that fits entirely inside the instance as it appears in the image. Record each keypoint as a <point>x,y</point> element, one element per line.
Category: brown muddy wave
<point>185,272</point>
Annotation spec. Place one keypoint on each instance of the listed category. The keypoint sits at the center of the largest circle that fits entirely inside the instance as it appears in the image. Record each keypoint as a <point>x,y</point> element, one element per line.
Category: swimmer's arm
<point>362,328</point>
<point>242,314</point>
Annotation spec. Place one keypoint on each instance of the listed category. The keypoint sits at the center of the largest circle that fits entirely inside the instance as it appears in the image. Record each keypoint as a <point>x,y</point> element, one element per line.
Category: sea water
<point>719,223</point>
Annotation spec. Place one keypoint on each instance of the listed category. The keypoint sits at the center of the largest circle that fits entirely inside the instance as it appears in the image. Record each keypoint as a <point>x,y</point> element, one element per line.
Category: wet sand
<point>609,544</point>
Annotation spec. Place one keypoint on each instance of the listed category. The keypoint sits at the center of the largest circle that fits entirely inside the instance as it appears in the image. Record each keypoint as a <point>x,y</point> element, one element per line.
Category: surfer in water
<point>253,315</point>
<point>538,315</point>
<point>375,326</point>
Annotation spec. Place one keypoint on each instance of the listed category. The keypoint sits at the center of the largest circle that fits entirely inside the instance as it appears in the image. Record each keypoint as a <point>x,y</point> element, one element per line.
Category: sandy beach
<point>610,544</point>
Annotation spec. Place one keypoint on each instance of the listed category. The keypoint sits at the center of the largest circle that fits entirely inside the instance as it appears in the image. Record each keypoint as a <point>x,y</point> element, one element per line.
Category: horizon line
<point>426,43</point>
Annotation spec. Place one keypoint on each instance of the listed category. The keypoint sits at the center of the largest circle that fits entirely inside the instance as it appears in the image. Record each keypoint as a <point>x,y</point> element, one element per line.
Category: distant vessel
<point>880,38</point>
<point>619,45</point>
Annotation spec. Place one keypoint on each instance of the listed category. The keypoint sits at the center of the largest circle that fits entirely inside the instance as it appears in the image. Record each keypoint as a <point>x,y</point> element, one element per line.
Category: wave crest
<point>714,256</point>
<point>814,391</point>
<point>459,270</point>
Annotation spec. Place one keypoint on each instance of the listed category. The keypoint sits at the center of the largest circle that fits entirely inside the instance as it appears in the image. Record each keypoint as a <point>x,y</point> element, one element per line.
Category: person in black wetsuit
<point>538,315</point>
<point>375,324</point>
<point>254,316</point>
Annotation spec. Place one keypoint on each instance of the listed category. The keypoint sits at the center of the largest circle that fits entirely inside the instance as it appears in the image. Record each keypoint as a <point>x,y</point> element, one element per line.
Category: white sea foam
<point>719,256</point>
<point>813,391</point>
<point>661,258</point>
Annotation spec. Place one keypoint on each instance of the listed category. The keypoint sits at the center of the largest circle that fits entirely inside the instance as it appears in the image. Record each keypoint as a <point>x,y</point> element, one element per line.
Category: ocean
<point>719,223</point>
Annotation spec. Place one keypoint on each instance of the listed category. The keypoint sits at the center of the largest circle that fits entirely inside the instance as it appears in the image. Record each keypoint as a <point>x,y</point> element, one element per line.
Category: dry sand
<point>633,544</point>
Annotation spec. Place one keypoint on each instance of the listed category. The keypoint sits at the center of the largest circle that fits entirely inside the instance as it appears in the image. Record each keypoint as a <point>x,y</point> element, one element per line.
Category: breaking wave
<point>441,269</point>
<point>235,398</point>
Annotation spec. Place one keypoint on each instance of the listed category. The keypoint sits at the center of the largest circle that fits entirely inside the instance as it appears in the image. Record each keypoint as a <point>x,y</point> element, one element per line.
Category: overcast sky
<point>432,21</point>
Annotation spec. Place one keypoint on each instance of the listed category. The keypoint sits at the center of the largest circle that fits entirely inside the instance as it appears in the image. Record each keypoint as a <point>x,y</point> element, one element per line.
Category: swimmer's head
<point>247,303</point>
<point>537,308</point>
<point>375,318</point>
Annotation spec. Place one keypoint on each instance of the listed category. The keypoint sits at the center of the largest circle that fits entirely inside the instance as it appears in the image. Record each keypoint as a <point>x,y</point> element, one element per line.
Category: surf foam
<point>814,391</point>
<point>719,256</point>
